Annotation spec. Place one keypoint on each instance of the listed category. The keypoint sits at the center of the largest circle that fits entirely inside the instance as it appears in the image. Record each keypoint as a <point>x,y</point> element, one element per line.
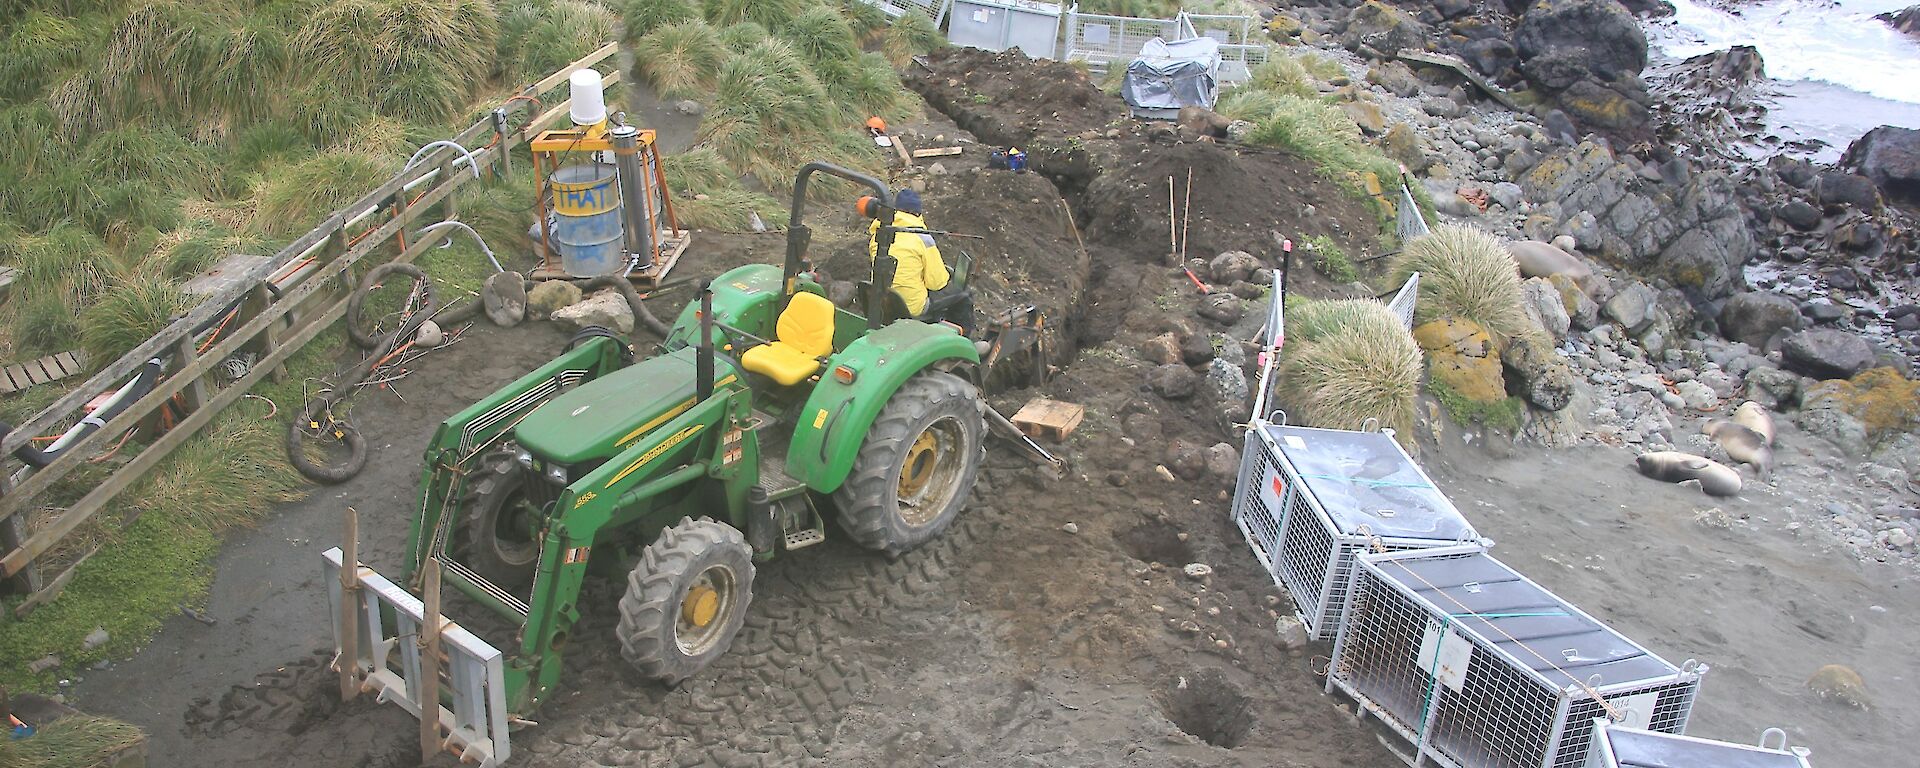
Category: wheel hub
<point>701,604</point>
<point>922,457</point>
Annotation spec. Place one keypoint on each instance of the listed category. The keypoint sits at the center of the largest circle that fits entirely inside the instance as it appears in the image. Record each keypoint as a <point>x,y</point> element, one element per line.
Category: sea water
<point>1837,71</point>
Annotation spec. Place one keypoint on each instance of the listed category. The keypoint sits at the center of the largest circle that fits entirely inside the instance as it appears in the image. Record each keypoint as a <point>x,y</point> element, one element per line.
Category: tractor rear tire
<point>917,466</point>
<point>491,489</point>
<point>686,599</point>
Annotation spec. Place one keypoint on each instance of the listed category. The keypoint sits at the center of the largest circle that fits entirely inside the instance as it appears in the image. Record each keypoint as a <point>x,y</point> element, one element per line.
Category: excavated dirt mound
<point>1023,99</point>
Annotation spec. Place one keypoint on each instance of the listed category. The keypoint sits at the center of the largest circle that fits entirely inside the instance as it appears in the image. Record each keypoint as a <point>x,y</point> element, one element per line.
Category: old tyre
<point>498,532</point>
<point>917,466</point>
<point>685,599</point>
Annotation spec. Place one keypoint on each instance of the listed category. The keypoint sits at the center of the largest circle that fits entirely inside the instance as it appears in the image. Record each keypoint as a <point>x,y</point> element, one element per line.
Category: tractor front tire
<point>491,538</point>
<point>686,599</point>
<point>917,466</point>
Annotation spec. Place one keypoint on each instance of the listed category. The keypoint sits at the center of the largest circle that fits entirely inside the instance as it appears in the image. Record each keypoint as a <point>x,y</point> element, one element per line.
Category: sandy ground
<point>1018,639</point>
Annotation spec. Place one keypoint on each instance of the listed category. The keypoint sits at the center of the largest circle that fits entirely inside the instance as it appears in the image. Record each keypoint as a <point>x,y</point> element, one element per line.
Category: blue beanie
<point>907,201</point>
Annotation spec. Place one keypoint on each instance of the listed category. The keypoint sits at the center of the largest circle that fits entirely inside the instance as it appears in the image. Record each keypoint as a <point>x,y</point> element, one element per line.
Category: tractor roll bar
<point>799,236</point>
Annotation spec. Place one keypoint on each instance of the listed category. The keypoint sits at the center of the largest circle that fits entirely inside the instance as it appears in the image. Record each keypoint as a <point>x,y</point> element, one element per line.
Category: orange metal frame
<point>550,145</point>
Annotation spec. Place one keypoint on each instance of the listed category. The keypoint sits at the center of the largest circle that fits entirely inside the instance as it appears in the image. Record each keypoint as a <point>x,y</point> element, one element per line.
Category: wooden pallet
<point>672,246</point>
<point>33,373</point>
<point>1049,419</point>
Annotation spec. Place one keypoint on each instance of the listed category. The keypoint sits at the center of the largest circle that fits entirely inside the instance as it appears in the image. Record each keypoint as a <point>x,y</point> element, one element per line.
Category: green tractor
<point>766,409</point>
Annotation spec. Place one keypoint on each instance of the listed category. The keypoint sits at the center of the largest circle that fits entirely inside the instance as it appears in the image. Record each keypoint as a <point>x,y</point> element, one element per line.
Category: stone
<point>1163,349</point>
<point>1633,307</point>
<point>1827,418</point>
<point>937,169</point>
<point>1822,310</point>
<point>1073,528</point>
<point>1232,267</point>
<point>1292,632</point>
<point>1223,308</point>
<point>689,107</point>
<point>1827,353</point>
<point>1186,460</point>
<point>607,309</point>
<point>1771,387</point>
<point>1491,56</point>
<point>1173,381</point>
<point>1840,190</point>
<point>1197,571</point>
<point>1200,121</point>
<point>550,297</point>
<point>1840,684</point>
<point>1581,310</point>
<point>1508,195</point>
<point>1798,214</point>
<point>1461,355</point>
<point>43,664</point>
<point>1697,396</point>
<point>1227,385</point>
<point>1403,146</point>
<point>1223,460</point>
<point>504,299</point>
<point>1599,36</point>
<point>1889,156</point>
<point>98,637</point>
<point>1543,303</point>
<point>1196,349</point>
<point>1396,77</point>
<point>429,335</point>
<point>1614,107</point>
<point>1382,28</point>
<point>1753,318</point>
<point>1547,380</point>
<point>1239,130</point>
<point>1366,114</point>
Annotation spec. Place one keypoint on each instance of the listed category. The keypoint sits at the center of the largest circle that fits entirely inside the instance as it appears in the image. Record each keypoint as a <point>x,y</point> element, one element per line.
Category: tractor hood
<point>599,418</point>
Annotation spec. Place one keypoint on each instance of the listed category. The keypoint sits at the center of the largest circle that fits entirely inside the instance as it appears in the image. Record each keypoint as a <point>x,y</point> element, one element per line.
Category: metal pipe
<point>431,228</point>
<point>626,158</point>
<point>703,357</point>
<point>442,143</point>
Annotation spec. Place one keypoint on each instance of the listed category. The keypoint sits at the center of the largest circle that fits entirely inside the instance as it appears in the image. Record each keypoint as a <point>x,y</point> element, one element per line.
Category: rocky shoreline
<point>1710,271</point>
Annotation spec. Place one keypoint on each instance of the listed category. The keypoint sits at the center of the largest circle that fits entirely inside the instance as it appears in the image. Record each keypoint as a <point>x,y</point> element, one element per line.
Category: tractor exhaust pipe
<point>703,358</point>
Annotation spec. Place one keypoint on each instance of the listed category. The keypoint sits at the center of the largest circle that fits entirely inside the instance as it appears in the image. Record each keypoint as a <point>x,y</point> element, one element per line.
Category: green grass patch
<point>1332,260</point>
<point>1501,415</point>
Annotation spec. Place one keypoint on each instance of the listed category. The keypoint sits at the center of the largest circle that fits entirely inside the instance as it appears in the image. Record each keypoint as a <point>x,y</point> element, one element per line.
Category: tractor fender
<point>837,415</point>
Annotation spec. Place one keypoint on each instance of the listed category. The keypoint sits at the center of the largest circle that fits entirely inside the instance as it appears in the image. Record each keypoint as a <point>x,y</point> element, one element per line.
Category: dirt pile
<point>1009,99</point>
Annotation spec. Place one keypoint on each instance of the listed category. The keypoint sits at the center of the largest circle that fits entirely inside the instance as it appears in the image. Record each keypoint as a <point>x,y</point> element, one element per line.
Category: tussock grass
<point>1347,362</point>
<point>129,312</point>
<point>866,20</point>
<point>554,36</point>
<point>911,35</point>
<point>740,37</point>
<point>36,48</point>
<point>415,59</point>
<point>76,741</point>
<point>639,17</point>
<point>821,35</point>
<point>1285,75</point>
<point>294,198</point>
<point>682,59</point>
<point>1286,114</point>
<point>769,14</point>
<point>1465,273</point>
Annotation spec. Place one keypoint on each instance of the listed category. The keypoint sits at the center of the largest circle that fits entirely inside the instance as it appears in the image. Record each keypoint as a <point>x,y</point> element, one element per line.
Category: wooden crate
<point>32,373</point>
<point>1049,419</point>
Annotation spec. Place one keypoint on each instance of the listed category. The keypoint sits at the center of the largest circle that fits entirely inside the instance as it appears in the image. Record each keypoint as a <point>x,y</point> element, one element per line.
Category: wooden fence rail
<point>275,327</point>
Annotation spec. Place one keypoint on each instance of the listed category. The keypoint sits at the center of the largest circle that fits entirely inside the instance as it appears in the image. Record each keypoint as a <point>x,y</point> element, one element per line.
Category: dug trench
<point>1016,635</point>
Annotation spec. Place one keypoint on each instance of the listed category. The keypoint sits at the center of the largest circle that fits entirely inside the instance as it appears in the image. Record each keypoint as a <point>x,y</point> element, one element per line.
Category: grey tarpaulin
<point>1167,76</point>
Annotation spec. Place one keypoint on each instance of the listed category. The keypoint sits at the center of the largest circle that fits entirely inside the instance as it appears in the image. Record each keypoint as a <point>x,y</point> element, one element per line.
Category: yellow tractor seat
<point>803,335</point>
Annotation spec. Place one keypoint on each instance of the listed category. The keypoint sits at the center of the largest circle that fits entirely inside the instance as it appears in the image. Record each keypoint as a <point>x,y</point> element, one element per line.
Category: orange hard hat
<point>877,124</point>
<point>867,205</point>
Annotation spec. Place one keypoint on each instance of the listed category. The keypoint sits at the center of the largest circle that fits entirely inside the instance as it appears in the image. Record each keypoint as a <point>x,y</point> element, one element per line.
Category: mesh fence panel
<point>1256,519</point>
<point>1100,40</point>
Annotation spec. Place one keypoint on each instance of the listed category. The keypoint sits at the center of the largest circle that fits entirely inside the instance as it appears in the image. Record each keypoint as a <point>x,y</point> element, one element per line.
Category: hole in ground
<point>1155,542</point>
<point>1210,708</point>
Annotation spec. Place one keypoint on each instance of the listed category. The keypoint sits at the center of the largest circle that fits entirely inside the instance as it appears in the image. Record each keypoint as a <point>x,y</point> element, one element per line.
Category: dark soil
<point>1023,99</point>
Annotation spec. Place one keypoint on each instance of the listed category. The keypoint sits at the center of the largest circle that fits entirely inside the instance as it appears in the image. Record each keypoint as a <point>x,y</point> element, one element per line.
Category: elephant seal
<point>1743,444</point>
<point>1754,416</point>
<point>1538,259</point>
<point>1715,478</point>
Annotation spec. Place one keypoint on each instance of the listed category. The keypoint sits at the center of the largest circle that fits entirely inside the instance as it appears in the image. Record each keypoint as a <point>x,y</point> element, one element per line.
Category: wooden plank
<point>1051,419</point>
<point>39,371</point>
<point>936,152</point>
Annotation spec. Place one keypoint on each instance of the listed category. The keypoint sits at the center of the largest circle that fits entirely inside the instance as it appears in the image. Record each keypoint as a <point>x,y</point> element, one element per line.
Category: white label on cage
<point>1445,654</point>
<point>1294,441</point>
<point>1636,711</point>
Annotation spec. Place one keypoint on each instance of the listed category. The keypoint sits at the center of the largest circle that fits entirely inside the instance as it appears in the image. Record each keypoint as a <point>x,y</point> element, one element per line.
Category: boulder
<point>1582,312</point>
<point>1905,20</point>
<point>1633,307</point>
<point>1597,37</point>
<point>1196,349</point>
<point>1163,349</point>
<point>1798,214</point>
<point>1490,56</point>
<point>1753,318</point>
<point>1794,171</point>
<point>1223,460</point>
<point>1200,121</point>
<point>1548,380</point>
<point>1771,387</point>
<point>1187,460</point>
<point>1543,303</point>
<point>1173,381</point>
<point>1403,146</point>
<point>1221,307</point>
<point>1383,29</point>
<point>1232,267</point>
<point>1366,114</point>
<point>1841,685</point>
<point>1461,357</point>
<point>607,309</point>
<point>550,297</point>
<point>1890,157</point>
<point>504,298</point>
<point>1839,190</point>
<point>1226,386</point>
<point>1828,353</point>
<point>1612,106</point>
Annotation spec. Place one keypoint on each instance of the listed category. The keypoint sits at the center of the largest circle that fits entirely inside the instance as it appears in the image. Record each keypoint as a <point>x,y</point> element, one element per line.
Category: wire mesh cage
<point>1309,499</point>
<point>1617,746</point>
<point>1476,665</point>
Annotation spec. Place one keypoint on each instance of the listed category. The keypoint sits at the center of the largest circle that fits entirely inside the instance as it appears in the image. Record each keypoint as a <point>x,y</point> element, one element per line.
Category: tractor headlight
<point>557,474</point>
<point>524,458</point>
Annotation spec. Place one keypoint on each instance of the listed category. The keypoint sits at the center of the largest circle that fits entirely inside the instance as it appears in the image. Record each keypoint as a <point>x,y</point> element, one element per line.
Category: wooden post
<point>194,394</point>
<point>349,661</point>
<point>500,140</point>
<point>257,303</point>
<point>430,663</point>
<point>13,533</point>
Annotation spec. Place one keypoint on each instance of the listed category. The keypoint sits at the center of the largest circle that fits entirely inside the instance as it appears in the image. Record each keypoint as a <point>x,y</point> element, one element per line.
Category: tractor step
<point>775,480</point>
<point>805,538</point>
